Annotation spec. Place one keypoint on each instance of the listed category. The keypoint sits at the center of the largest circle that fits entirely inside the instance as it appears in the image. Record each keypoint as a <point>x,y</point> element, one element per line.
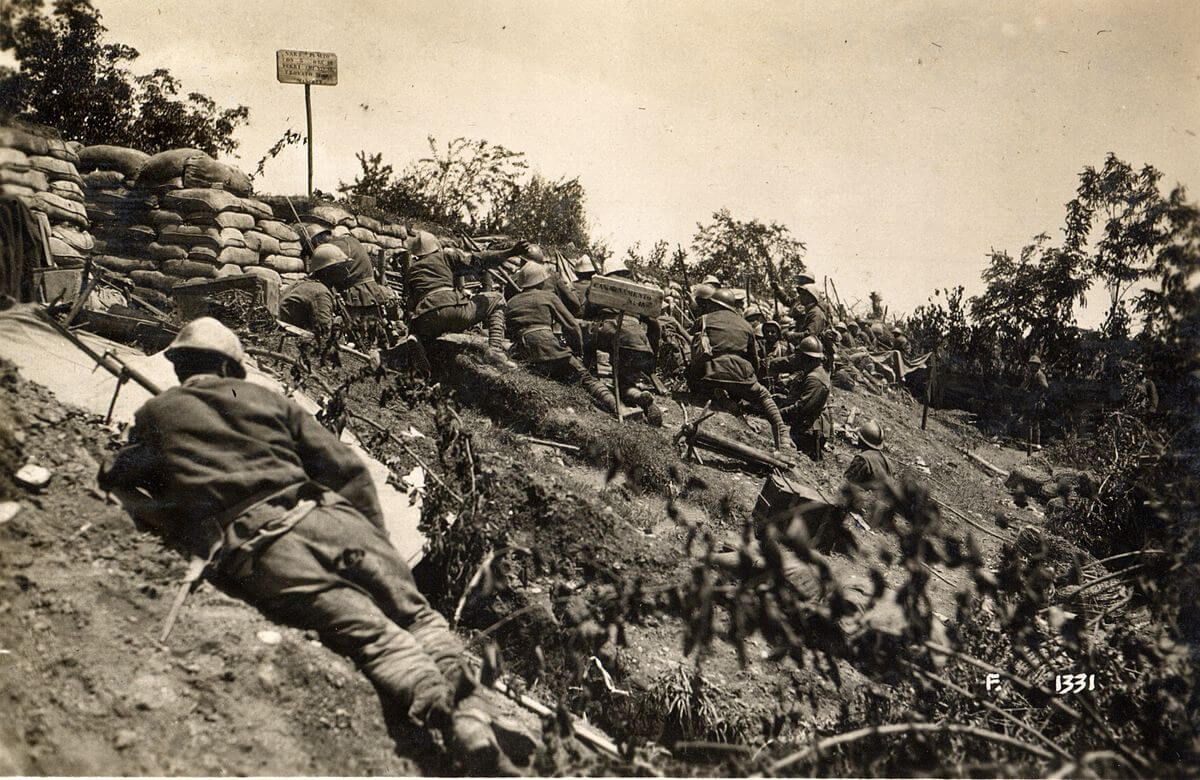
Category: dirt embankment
<point>94,692</point>
<point>87,689</point>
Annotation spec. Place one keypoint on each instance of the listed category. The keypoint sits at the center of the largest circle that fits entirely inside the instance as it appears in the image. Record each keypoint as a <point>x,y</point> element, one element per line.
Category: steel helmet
<point>811,347</point>
<point>423,243</point>
<point>584,265</point>
<point>754,311</point>
<point>786,321</point>
<point>711,279</point>
<point>324,256</point>
<point>703,292</point>
<point>1035,361</point>
<point>810,291</point>
<point>839,325</point>
<point>725,298</point>
<point>804,279</point>
<point>871,435</point>
<point>876,329</point>
<point>207,334</point>
<point>614,265</point>
<point>535,254</point>
<point>310,231</point>
<point>531,274</point>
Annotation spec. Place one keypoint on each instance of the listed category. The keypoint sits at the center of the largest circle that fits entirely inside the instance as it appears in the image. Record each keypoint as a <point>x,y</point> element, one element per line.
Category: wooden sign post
<point>626,297</point>
<point>307,67</point>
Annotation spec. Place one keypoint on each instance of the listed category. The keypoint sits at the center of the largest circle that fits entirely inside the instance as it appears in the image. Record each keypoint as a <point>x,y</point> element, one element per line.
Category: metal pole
<point>308,117</point>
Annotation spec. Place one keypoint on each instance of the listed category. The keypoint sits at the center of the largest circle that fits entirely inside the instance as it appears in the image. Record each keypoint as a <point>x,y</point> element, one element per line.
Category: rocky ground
<point>83,595</point>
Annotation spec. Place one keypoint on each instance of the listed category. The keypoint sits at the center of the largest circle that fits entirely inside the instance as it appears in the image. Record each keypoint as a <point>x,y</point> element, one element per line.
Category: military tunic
<point>299,527</point>
<point>308,304</point>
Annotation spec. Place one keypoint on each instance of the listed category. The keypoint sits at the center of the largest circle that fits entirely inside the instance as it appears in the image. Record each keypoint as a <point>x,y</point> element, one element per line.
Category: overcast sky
<point>899,140</point>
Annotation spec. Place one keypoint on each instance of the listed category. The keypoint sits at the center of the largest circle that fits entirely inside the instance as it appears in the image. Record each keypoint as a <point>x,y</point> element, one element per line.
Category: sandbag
<point>238,256</point>
<point>18,191</point>
<point>190,236</point>
<point>79,239</point>
<point>128,162</point>
<point>330,216</point>
<point>291,248</point>
<point>262,243</point>
<point>265,273</point>
<point>396,231</point>
<point>14,159</point>
<point>232,237</point>
<point>164,167</point>
<point>204,171</point>
<point>283,264</point>
<point>234,219</point>
<point>368,223</point>
<point>387,242</point>
<point>141,232</point>
<point>124,265</point>
<point>55,169</point>
<point>68,189</point>
<point>155,280</point>
<point>257,208</point>
<point>277,230</point>
<point>34,180</point>
<point>59,209</point>
<point>162,217</point>
<point>99,180</point>
<point>62,250</point>
<point>16,138</point>
<point>341,230</point>
<point>202,200</point>
<point>166,251</point>
<point>188,269</point>
<point>203,254</point>
<point>363,235</point>
<point>229,269</point>
<point>61,150</point>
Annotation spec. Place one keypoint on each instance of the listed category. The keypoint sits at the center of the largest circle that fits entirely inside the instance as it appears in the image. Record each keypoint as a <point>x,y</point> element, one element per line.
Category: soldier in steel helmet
<point>437,306</point>
<point>803,406</point>
<point>531,315</point>
<point>310,303</point>
<point>288,518</point>
<point>726,357</point>
<point>870,464</point>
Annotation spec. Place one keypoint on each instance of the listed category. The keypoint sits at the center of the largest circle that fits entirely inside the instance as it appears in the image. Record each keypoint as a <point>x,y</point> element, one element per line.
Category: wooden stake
<point>615,361</point>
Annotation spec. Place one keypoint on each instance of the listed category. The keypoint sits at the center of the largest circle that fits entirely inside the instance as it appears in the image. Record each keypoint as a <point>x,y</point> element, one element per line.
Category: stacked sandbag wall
<point>180,215</point>
<point>41,170</point>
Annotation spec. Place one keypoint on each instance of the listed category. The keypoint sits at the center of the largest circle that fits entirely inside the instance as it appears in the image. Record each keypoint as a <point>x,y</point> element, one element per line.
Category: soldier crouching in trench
<point>290,522</point>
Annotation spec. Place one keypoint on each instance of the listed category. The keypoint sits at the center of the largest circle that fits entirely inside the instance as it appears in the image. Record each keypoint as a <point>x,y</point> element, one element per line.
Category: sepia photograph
<point>630,388</point>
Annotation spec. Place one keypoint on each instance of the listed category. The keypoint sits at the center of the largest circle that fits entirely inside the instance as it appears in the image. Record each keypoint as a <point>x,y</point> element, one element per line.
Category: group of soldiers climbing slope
<point>727,352</point>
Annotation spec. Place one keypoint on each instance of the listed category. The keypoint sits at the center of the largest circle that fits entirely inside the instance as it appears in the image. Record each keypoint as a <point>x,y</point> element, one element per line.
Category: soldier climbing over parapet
<point>288,519</point>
